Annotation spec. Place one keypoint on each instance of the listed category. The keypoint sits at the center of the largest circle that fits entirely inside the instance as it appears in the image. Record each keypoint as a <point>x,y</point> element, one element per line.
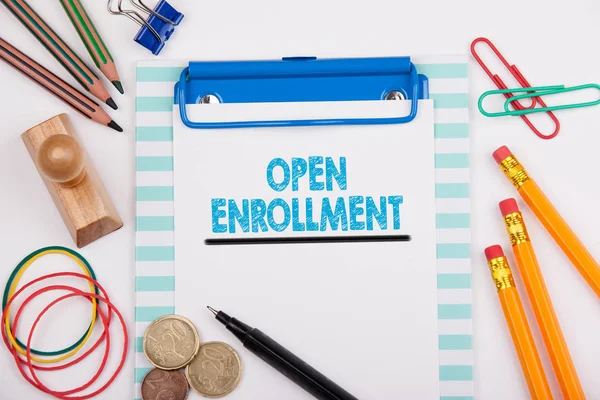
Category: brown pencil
<point>55,85</point>
<point>59,49</point>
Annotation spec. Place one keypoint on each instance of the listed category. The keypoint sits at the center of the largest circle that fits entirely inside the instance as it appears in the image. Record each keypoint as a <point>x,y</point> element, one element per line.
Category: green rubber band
<point>12,278</point>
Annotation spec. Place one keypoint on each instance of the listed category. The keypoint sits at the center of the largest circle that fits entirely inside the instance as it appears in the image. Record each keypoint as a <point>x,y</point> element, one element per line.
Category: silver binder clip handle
<point>137,17</point>
<point>143,7</point>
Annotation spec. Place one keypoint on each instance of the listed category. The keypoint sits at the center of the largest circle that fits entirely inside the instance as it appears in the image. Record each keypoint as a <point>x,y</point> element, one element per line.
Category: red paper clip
<point>522,81</point>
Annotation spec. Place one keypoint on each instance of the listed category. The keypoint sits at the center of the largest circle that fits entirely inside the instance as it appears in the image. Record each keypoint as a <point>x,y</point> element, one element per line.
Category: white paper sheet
<point>363,314</point>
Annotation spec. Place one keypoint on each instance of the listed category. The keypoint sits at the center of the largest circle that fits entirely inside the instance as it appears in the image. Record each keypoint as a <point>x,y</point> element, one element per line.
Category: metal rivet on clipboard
<point>209,99</point>
<point>157,28</point>
<point>522,81</point>
<point>394,95</point>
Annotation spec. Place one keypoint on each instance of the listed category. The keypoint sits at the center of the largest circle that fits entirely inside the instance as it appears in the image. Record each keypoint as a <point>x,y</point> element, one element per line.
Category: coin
<point>216,370</point>
<point>164,385</point>
<point>171,342</point>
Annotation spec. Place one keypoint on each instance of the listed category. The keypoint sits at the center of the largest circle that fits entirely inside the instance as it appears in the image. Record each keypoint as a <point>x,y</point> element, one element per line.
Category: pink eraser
<point>494,252</point>
<point>501,154</point>
<point>508,206</point>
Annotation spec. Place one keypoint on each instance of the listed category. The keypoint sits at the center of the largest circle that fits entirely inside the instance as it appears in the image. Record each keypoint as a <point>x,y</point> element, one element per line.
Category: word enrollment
<point>322,213</point>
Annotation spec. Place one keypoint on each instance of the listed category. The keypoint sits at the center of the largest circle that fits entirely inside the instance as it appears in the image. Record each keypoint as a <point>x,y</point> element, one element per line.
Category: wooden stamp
<point>71,180</point>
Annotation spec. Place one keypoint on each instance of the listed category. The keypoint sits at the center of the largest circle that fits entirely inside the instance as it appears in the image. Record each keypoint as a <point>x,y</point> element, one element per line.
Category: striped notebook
<point>155,281</point>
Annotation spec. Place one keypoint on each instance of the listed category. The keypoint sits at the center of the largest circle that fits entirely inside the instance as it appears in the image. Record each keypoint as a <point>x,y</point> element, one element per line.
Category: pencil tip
<point>115,126</point>
<point>212,310</point>
<point>119,86</point>
<point>111,103</point>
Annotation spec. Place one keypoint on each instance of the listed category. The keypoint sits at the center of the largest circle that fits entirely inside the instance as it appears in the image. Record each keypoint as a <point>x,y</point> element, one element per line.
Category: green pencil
<point>92,40</point>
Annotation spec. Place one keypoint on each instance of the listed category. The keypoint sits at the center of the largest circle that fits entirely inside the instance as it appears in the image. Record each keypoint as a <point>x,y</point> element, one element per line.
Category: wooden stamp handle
<point>61,160</point>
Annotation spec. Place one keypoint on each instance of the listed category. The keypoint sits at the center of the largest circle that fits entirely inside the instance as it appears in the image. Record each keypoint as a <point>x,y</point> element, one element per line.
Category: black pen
<point>283,360</point>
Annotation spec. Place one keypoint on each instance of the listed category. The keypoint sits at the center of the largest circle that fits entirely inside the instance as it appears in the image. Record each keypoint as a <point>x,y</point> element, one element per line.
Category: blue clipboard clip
<point>301,79</point>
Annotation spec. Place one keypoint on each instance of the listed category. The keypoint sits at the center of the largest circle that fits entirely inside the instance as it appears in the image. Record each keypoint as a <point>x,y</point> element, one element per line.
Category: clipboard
<point>155,261</point>
<point>263,187</point>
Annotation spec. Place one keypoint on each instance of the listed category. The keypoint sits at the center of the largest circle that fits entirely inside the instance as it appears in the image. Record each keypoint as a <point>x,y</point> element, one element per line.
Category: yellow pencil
<point>540,301</point>
<point>549,217</point>
<point>517,324</point>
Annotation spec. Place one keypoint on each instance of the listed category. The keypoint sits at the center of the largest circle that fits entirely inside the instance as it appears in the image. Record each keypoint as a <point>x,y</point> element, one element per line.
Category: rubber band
<point>12,284</point>
<point>76,292</point>
<point>123,354</point>
<point>15,354</point>
<point>88,352</point>
<point>35,381</point>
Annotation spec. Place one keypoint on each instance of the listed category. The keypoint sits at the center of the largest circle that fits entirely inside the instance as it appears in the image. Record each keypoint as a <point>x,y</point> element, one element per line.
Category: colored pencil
<point>59,49</point>
<point>514,313</point>
<point>55,85</point>
<point>549,217</point>
<point>92,40</point>
<point>540,301</point>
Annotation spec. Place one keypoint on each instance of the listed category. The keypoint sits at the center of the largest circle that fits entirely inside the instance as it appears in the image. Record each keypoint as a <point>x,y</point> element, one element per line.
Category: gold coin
<point>216,370</point>
<point>171,342</point>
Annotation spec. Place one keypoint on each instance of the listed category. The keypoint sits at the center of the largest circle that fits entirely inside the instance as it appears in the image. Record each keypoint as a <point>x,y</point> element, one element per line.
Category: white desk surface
<point>553,42</point>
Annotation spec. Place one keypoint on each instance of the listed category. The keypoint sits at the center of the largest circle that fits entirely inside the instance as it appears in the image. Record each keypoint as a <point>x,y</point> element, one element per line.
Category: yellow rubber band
<point>12,291</point>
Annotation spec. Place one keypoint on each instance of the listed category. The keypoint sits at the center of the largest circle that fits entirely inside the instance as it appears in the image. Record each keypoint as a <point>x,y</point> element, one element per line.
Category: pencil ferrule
<point>515,226</point>
<point>501,273</point>
<point>514,171</point>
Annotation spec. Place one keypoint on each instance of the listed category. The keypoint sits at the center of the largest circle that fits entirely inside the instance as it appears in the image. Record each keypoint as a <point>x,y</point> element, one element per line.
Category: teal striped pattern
<point>139,344</point>
<point>453,221</point>
<point>154,134</point>
<point>454,306</point>
<point>155,284</point>
<point>156,79</point>
<point>450,100</point>
<point>454,281</point>
<point>451,131</point>
<point>452,160</point>
<point>444,71</point>
<point>454,311</point>
<point>158,74</point>
<point>154,104</point>
<point>155,253</point>
<point>453,250</point>
<point>452,191</point>
<point>155,224</point>
<point>154,193</point>
<point>153,163</point>
<point>456,373</point>
<point>155,292</point>
<point>455,342</point>
<point>140,373</point>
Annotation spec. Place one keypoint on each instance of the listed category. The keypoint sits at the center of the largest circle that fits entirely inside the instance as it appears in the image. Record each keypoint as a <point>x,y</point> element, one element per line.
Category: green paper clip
<point>532,93</point>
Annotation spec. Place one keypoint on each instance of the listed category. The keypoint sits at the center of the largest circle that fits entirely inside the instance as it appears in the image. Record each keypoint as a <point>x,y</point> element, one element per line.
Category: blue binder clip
<point>157,29</point>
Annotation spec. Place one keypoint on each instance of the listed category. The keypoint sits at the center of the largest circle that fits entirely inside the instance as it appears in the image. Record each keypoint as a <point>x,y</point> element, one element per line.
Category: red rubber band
<point>37,320</point>
<point>105,320</point>
<point>35,382</point>
<point>125,341</point>
<point>88,352</point>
